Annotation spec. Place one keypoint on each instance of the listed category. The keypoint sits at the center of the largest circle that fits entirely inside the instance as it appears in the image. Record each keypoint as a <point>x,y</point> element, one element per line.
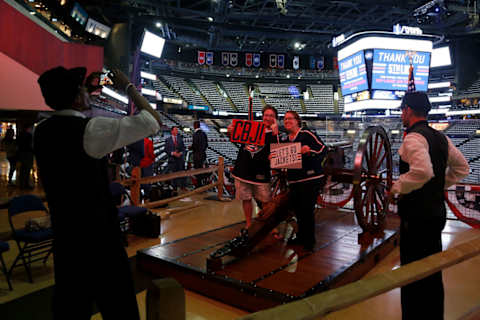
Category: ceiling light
<point>158,24</point>
<point>210,19</point>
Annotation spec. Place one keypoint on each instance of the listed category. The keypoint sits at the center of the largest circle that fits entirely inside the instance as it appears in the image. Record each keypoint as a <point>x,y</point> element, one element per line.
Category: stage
<point>274,272</point>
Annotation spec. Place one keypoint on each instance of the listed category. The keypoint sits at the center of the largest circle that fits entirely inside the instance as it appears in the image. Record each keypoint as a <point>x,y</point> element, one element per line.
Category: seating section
<point>185,91</point>
<point>237,91</point>
<point>211,91</point>
<point>160,87</point>
<point>321,100</point>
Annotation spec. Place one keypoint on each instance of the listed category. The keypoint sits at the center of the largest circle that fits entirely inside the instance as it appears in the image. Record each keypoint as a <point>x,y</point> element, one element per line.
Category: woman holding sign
<point>305,182</point>
<point>252,167</point>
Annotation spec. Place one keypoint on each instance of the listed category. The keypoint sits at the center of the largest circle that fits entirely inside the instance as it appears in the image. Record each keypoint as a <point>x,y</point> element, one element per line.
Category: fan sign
<point>286,155</point>
<point>248,132</point>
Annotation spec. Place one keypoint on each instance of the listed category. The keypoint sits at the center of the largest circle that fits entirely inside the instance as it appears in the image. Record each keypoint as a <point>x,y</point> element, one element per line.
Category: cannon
<point>369,180</point>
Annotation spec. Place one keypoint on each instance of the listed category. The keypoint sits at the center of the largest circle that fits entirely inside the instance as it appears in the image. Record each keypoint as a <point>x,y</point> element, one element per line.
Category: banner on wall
<point>225,58</point>
<point>233,59</point>
<point>273,61</point>
<point>320,63</point>
<point>296,62</point>
<point>209,58</point>
<point>281,61</point>
<point>256,60</point>
<point>312,62</point>
<point>201,57</point>
<point>248,59</point>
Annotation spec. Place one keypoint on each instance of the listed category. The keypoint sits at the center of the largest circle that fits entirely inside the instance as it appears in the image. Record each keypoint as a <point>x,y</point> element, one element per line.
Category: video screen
<point>391,67</point>
<point>387,95</point>
<point>353,74</point>
<point>152,44</point>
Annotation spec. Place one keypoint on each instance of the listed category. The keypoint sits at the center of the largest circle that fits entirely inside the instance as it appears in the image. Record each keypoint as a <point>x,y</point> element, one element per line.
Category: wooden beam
<point>158,203</point>
<point>336,299</point>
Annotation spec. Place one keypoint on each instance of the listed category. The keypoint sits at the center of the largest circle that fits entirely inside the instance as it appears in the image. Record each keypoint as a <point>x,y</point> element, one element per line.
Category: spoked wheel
<point>335,194</point>
<point>372,178</point>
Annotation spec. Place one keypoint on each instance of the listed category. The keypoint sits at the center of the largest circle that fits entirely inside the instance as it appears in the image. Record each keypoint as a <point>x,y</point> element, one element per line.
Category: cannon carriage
<point>368,181</point>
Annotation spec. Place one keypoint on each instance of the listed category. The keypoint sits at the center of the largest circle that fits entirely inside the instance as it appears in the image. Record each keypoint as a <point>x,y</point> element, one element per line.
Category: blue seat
<point>33,245</point>
<point>3,248</point>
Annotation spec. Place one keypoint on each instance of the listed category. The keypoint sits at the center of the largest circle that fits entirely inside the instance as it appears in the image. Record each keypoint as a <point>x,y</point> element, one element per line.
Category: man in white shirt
<point>429,163</point>
<point>91,265</point>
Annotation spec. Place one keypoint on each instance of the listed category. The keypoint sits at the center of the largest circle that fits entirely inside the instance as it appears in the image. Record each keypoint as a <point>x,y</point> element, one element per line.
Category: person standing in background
<point>199,147</point>
<point>147,165</point>
<point>25,157</point>
<point>9,145</point>
<point>175,149</point>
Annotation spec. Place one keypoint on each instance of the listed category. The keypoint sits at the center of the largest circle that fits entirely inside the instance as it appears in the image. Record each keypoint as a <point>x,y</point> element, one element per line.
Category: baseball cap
<point>60,86</point>
<point>417,101</point>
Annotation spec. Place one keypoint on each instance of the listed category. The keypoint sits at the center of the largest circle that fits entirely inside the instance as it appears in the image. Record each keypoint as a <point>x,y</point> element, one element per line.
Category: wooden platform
<point>274,272</point>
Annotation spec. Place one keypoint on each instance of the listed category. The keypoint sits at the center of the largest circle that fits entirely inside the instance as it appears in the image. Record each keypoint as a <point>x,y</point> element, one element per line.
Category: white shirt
<point>420,165</point>
<point>104,135</point>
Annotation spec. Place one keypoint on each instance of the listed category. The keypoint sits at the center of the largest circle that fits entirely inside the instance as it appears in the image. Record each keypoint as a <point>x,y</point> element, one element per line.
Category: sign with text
<point>353,74</point>
<point>391,67</point>
<point>248,132</point>
<point>286,155</point>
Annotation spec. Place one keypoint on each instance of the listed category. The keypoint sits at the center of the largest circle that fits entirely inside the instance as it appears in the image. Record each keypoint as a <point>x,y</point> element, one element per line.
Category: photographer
<point>90,261</point>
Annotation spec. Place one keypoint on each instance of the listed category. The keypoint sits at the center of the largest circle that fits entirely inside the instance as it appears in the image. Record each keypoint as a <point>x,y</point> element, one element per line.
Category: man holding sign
<point>304,181</point>
<point>252,167</point>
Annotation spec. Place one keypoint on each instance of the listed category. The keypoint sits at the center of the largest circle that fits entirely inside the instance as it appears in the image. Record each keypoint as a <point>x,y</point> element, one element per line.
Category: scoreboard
<point>374,68</point>
<point>391,68</point>
<point>353,74</point>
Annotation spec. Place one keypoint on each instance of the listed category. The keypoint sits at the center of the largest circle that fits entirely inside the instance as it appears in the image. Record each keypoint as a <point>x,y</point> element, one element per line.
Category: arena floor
<point>462,281</point>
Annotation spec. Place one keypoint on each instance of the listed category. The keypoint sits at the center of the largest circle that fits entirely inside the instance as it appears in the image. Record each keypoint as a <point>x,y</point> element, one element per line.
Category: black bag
<point>160,193</point>
<point>146,225</point>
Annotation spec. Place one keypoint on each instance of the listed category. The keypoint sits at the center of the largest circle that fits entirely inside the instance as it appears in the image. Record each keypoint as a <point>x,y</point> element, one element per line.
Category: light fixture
<point>210,19</point>
<point>158,24</point>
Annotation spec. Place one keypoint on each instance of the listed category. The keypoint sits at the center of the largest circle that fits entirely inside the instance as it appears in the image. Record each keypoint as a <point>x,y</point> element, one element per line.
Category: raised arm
<point>121,82</point>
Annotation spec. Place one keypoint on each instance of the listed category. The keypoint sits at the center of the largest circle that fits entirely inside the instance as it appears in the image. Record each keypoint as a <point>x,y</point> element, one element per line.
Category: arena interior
<point>217,60</point>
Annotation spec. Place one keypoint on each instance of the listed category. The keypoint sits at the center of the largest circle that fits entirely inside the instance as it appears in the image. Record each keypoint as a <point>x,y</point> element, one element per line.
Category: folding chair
<point>33,245</point>
<point>125,213</point>
<point>3,248</point>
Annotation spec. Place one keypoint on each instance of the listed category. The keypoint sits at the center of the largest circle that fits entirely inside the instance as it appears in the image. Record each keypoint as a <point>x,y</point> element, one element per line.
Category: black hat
<point>60,86</point>
<point>417,101</point>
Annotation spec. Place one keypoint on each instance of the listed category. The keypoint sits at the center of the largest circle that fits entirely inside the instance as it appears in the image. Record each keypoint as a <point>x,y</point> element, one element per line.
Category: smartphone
<point>105,79</point>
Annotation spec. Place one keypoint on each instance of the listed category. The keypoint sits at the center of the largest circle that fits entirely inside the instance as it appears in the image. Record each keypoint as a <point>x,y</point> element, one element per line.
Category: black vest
<point>427,203</point>
<point>76,185</point>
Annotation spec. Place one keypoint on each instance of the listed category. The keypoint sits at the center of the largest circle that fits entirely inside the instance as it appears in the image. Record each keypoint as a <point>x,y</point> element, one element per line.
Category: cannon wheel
<point>372,177</point>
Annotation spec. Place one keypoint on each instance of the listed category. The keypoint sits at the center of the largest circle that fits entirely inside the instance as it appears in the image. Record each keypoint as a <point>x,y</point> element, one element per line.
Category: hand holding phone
<point>105,79</point>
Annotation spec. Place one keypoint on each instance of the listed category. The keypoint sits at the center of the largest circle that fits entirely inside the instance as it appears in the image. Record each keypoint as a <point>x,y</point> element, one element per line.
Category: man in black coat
<point>199,147</point>
<point>175,149</point>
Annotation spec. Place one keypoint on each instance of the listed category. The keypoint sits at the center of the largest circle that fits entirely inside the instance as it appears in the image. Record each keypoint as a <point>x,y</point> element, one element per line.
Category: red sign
<point>201,57</point>
<point>248,132</point>
<point>248,59</point>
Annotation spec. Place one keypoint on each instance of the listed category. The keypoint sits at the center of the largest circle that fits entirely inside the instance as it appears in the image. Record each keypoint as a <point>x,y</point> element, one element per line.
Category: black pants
<point>147,172</point>
<point>422,299</point>
<point>88,277</point>
<point>302,200</point>
<point>199,162</point>
<point>174,165</point>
